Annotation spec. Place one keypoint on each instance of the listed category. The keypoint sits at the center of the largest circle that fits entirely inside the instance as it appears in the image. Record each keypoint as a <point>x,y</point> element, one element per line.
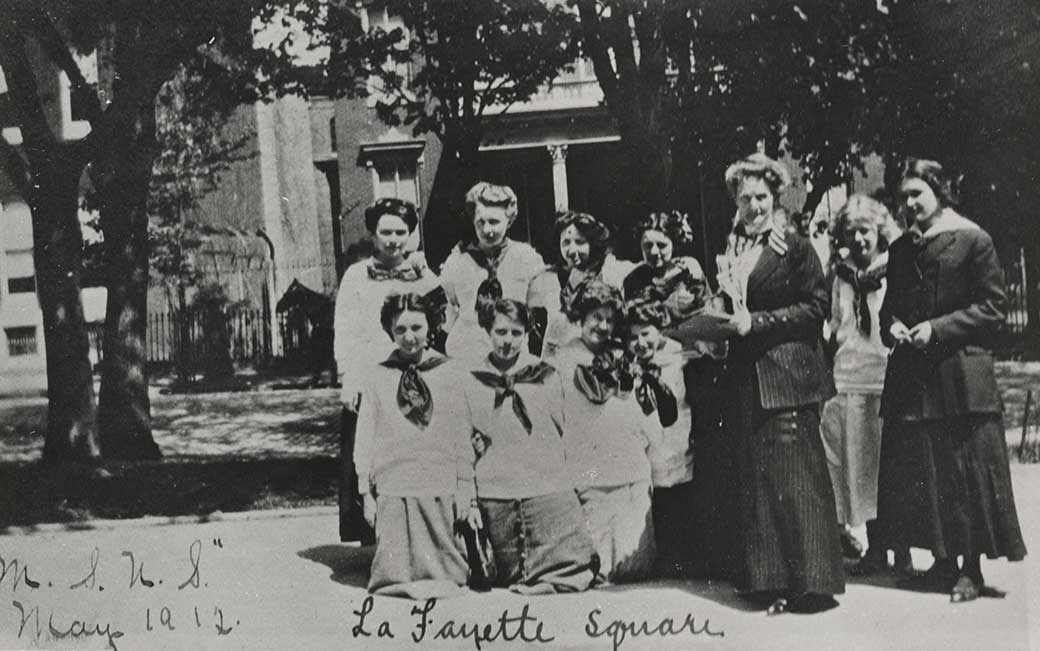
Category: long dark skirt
<point>674,528</point>
<point>352,525</point>
<point>945,485</point>
<point>540,543</point>
<point>786,521</point>
<point>711,508</point>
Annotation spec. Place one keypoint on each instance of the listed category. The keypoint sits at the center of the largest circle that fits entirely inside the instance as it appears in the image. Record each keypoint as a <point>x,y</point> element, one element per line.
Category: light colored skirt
<point>417,554</point>
<point>851,431</point>
<point>621,523</point>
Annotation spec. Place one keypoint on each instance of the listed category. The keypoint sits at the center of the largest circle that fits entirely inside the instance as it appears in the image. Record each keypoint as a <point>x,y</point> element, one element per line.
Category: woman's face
<point>754,203</point>
<point>410,330</point>
<point>390,238</point>
<point>491,225</point>
<point>643,340</point>
<point>919,200</point>
<point>574,248</point>
<point>861,236</point>
<point>597,327</point>
<point>507,337</point>
<point>657,248</point>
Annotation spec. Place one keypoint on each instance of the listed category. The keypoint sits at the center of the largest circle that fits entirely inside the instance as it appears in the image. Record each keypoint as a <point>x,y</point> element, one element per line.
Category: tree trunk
<point>124,409</point>
<point>445,217</point>
<point>58,246</point>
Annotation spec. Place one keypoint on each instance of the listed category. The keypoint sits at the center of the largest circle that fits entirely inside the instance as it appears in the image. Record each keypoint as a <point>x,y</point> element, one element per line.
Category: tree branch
<point>16,168</point>
<point>53,44</point>
<point>38,142</point>
<point>597,50</point>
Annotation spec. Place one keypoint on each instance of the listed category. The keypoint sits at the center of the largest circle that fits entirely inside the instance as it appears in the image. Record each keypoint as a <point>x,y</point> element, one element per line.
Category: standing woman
<point>414,461</point>
<point>514,403</point>
<point>787,543</point>
<point>607,437</point>
<point>360,342</point>
<point>851,423</point>
<point>583,254</point>
<point>489,267</point>
<point>945,482</point>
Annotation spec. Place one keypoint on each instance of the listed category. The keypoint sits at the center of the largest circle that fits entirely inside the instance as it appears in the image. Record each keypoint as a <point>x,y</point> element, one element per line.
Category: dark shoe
<point>940,577</point>
<point>966,589</point>
<point>811,603</point>
<point>778,607</point>
<point>873,562</point>
<point>850,547</point>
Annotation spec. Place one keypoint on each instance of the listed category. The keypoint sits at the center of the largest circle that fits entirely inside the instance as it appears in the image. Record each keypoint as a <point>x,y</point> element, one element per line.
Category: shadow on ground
<point>35,493</point>
<point>349,563</point>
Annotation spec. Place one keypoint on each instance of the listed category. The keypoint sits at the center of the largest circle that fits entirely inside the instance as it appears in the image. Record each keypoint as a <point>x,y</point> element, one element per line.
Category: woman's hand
<point>921,334</point>
<point>369,508</point>
<point>741,322</point>
<point>900,332</point>
<point>417,260</point>
<point>474,519</point>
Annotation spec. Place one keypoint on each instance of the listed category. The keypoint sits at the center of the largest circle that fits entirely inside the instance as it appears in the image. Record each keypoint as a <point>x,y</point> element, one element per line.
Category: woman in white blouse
<point>489,267</point>
<point>360,341</point>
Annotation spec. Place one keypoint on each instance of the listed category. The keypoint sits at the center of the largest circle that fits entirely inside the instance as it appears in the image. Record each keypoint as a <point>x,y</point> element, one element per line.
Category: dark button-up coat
<point>953,280</point>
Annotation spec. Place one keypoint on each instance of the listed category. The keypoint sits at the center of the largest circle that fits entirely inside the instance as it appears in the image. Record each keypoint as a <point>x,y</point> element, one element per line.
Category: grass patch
<point>34,493</point>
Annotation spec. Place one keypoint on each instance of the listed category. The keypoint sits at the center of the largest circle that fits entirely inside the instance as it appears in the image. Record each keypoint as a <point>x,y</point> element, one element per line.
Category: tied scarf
<point>863,283</point>
<point>653,395</point>
<point>413,394</point>
<point>405,272</point>
<point>490,289</point>
<point>505,387</point>
<point>602,379</point>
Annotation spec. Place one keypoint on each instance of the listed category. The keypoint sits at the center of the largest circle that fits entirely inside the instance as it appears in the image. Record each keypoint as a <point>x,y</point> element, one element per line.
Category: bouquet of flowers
<point>732,283</point>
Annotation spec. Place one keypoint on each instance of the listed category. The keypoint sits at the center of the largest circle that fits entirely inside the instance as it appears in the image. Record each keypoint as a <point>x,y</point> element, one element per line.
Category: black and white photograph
<point>492,324</point>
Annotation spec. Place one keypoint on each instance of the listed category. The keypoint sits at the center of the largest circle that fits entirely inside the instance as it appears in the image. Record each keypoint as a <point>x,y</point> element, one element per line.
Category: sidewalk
<point>276,584</point>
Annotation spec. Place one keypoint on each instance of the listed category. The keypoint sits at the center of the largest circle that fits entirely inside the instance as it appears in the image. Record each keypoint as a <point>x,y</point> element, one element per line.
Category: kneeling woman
<point>607,438</point>
<point>414,462</point>
<point>514,407</point>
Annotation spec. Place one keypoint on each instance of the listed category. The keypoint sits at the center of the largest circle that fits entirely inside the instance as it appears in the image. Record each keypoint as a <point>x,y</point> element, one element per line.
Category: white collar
<point>947,222</point>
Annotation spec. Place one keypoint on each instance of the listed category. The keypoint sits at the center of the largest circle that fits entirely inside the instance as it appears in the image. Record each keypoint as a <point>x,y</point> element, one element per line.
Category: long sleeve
<point>448,277</point>
<point>345,320</point>
<point>465,457</point>
<point>364,443</point>
<point>836,315</point>
<point>804,317</point>
<point>988,300</point>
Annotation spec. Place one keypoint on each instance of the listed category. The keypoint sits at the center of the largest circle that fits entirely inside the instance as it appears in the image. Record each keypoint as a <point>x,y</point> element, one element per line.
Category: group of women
<point>585,423</point>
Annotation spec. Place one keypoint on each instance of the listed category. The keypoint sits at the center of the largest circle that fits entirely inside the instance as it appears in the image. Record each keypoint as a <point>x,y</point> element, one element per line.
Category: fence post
<point>1025,424</point>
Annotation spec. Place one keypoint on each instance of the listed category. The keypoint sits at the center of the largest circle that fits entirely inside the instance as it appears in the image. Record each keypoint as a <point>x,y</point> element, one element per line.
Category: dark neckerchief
<point>403,271</point>
<point>504,385</point>
<point>653,395</point>
<point>413,394</point>
<point>490,289</point>
<point>603,378</point>
<point>863,282</point>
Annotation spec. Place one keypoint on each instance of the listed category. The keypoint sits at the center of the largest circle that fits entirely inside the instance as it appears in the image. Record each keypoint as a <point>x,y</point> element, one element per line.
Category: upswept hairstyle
<point>932,173</point>
<point>862,207</point>
<point>758,165</point>
<point>489,194</point>
<point>507,307</point>
<point>593,230</point>
<point>396,304</point>
<point>593,295</point>
<point>674,224</point>
<point>391,206</point>
<point>646,310</point>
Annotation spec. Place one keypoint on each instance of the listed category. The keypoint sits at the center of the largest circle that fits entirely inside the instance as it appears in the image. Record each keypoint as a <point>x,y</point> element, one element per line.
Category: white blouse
<point>359,340</point>
<point>461,277</point>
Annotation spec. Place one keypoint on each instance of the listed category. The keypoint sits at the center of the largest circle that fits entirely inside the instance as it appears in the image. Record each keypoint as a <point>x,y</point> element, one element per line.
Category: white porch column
<point>559,173</point>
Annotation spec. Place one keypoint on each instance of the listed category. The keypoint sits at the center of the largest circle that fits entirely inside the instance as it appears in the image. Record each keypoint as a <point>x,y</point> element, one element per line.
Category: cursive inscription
<point>619,630</point>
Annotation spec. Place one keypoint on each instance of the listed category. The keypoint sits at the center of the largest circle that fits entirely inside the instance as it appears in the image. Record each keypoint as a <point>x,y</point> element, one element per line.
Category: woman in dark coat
<point>787,548</point>
<point>944,481</point>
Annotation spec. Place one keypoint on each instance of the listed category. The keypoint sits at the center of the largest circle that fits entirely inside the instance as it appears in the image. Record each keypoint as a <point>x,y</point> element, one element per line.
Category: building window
<point>21,341</point>
<point>21,277</point>
<point>397,179</point>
